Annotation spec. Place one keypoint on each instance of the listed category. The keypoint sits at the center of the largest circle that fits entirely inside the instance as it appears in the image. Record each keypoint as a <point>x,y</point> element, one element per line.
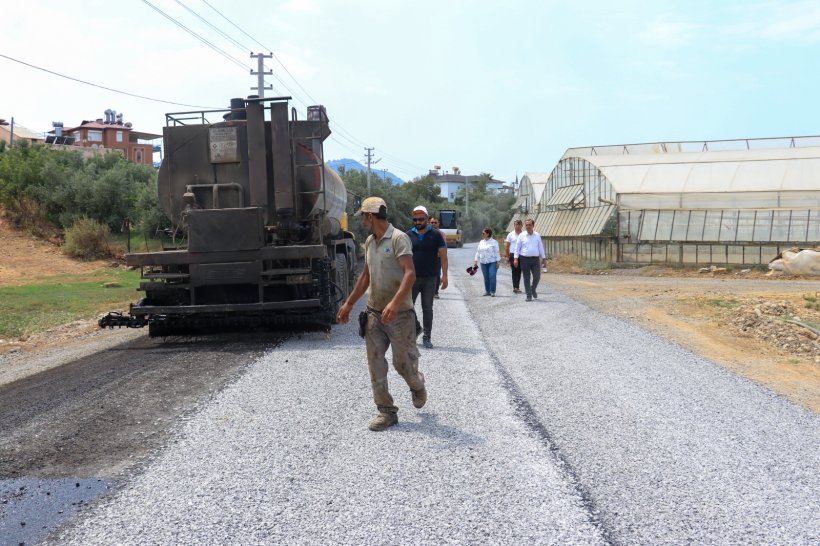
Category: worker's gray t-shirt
<point>386,274</point>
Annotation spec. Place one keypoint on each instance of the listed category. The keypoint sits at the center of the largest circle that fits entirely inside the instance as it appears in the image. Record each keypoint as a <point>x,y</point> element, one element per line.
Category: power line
<point>198,37</point>
<point>265,47</point>
<point>241,46</point>
<point>339,129</point>
<point>213,27</point>
<point>102,86</point>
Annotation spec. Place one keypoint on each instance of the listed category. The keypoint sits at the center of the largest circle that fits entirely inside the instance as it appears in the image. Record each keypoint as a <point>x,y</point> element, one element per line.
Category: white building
<point>451,184</point>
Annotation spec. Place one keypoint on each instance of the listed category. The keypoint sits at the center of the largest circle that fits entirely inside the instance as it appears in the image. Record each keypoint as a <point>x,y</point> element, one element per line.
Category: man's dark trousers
<point>426,286</point>
<point>530,267</point>
<point>516,273</point>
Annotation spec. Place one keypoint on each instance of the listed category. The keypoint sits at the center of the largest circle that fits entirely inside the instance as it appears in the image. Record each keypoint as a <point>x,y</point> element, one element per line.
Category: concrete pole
<point>261,73</point>
<point>466,196</point>
<point>369,155</point>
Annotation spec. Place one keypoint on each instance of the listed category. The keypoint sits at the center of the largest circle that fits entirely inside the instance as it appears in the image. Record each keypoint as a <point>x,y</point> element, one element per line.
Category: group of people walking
<point>400,266</point>
<point>526,255</point>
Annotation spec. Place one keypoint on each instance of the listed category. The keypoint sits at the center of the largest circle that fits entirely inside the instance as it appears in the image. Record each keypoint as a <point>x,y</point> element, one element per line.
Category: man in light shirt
<point>529,255</point>
<point>509,248</point>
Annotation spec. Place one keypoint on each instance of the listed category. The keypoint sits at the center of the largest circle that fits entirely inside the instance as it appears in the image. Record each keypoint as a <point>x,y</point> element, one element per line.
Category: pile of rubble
<point>774,322</point>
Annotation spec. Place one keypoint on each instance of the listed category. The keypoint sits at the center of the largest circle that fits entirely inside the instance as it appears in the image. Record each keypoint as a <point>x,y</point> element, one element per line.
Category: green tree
<point>66,187</point>
<point>486,209</point>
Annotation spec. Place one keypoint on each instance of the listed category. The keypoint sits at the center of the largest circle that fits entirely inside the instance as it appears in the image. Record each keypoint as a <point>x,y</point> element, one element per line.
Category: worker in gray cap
<point>390,316</point>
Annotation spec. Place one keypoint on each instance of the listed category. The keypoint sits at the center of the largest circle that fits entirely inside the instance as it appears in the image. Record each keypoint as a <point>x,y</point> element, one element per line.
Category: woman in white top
<point>489,257</point>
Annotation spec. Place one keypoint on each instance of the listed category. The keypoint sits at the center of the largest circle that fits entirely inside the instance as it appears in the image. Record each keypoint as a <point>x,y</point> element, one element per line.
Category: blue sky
<point>498,87</point>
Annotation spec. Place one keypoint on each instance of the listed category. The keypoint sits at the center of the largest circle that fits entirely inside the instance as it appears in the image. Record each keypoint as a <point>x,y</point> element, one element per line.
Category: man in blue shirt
<point>429,248</point>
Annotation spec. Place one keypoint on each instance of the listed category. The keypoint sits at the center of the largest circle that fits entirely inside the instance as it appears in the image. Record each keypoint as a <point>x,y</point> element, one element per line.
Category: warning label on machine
<point>223,146</point>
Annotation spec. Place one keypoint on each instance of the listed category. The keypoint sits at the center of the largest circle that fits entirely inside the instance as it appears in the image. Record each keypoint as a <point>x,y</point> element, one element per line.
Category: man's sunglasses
<point>419,220</point>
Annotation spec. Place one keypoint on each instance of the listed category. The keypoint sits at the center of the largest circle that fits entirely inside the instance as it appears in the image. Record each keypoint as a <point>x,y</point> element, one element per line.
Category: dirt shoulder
<point>25,259</point>
<point>739,322</point>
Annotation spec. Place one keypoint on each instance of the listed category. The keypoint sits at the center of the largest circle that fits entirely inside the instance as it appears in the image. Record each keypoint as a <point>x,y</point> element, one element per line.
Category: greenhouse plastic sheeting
<point>574,223</point>
<point>723,200</point>
<point>781,169</point>
<point>565,195</point>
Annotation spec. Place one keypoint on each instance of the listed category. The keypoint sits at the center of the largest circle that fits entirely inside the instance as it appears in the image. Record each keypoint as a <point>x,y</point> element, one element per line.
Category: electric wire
<point>243,47</point>
<point>213,27</point>
<point>264,47</point>
<point>339,129</point>
<point>225,54</point>
<point>103,86</point>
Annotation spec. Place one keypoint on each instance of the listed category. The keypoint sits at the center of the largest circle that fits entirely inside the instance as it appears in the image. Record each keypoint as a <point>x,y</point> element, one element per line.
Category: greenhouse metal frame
<point>714,202</point>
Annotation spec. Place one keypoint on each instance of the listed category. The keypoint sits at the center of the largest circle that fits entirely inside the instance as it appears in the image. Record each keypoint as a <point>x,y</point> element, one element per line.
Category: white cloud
<point>778,21</point>
<point>799,22</point>
<point>301,6</point>
<point>665,33</point>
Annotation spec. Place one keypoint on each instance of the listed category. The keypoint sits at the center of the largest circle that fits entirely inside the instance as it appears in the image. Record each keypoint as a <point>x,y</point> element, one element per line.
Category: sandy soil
<point>23,257</point>
<point>733,319</point>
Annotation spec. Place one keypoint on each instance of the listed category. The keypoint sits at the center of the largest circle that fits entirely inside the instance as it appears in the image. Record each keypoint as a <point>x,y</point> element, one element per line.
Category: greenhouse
<point>721,202</point>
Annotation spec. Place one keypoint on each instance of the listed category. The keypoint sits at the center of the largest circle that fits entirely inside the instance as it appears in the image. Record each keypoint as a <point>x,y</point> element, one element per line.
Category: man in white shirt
<point>529,255</point>
<point>509,248</point>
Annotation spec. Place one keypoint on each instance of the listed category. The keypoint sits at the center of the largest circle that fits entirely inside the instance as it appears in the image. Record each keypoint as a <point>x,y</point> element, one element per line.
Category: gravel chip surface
<point>546,423</point>
<point>670,448</point>
<point>284,456</point>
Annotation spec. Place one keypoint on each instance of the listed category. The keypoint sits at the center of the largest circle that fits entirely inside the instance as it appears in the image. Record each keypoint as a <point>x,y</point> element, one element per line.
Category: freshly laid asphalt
<point>546,423</point>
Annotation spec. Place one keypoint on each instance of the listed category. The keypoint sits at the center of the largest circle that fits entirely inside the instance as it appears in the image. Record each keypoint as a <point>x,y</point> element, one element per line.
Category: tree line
<point>486,209</point>
<point>43,187</point>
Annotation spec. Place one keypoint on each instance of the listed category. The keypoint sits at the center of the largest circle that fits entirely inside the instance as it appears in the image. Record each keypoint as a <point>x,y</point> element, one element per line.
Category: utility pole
<point>384,175</point>
<point>261,72</point>
<point>11,138</point>
<point>466,196</point>
<point>370,161</point>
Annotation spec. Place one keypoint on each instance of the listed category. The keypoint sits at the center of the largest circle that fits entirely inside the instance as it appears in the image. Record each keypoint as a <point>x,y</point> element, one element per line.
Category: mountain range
<point>353,165</point>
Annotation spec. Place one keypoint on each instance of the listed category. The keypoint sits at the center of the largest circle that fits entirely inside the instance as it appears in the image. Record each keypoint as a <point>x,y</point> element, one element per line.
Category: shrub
<point>27,214</point>
<point>87,239</point>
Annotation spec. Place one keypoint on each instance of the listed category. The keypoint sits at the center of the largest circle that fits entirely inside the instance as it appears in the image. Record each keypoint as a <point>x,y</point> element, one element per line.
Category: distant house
<point>111,133</point>
<point>20,133</point>
<point>452,183</point>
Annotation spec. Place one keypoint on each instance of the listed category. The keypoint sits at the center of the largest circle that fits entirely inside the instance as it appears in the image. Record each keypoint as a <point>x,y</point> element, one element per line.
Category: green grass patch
<point>139,243</point>
<point>36,307</point>
<point>725,304</point>
<point>811,302</point>
<point>595,265</point>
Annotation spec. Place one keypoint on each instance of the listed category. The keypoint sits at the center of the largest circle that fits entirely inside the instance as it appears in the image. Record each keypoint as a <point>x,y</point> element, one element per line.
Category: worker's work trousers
<point>426,286</point>
<point>530,267</point>
<point>401,335</point>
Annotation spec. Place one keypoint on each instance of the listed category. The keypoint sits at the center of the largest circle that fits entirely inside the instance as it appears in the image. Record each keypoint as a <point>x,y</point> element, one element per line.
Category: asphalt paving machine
<point>259,224</point>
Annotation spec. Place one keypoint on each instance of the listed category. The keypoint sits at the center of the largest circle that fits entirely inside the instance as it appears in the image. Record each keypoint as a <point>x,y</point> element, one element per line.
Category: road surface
<point>546,423</point>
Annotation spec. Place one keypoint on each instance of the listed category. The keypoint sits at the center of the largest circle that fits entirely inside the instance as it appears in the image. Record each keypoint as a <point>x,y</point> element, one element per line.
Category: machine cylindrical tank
<point>335,197</point>
<point>189,165</point>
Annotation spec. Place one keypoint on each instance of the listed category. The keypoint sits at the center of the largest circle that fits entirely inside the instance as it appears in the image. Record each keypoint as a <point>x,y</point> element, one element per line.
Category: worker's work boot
<point>382,421</point>
<point>420,396</point>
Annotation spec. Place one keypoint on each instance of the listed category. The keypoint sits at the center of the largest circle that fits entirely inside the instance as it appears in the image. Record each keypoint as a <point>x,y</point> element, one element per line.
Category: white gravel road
<point>547,423</point>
